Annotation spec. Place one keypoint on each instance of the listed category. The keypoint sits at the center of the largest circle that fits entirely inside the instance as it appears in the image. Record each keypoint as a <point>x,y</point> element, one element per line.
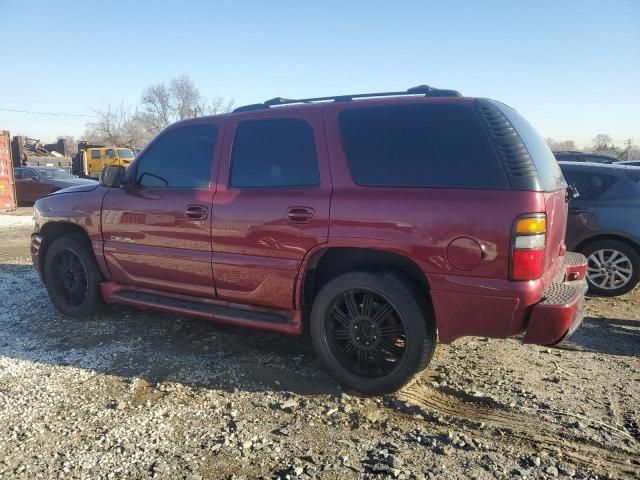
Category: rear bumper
<point>561,310</point>
<point>558,315</point>
<point>502,308</point>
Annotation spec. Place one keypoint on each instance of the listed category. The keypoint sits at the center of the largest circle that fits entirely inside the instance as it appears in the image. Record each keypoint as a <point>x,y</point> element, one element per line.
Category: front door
<point>271,207</point>
<point>156,230</point>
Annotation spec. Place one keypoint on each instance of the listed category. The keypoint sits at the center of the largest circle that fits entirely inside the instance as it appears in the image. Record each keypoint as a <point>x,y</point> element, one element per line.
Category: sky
<point>571,67</point>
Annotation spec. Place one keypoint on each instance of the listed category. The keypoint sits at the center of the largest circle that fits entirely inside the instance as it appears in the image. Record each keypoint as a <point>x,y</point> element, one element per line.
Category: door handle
<point>196,212</point>
<point>300,214</point>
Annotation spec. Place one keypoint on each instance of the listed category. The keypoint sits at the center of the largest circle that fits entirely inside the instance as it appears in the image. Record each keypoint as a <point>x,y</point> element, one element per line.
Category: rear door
<point>157,231</point>
<point>271,206</point>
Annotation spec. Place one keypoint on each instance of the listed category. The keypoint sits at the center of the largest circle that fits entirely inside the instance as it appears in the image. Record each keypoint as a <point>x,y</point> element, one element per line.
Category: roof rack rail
<point>425,90</point>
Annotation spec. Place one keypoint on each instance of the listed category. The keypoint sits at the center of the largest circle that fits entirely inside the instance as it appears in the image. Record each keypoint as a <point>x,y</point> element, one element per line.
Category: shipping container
<point>17,151</point>
<point>7,182</point>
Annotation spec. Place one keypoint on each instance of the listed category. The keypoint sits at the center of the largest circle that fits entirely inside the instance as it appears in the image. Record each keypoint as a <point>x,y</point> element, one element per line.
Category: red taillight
<point>528,244</point>
<point>527,264</point>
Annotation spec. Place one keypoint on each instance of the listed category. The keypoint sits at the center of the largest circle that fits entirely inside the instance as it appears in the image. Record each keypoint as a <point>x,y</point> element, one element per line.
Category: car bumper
<point>36,245</point>
<point>558,315</point>
<point>502,309</point>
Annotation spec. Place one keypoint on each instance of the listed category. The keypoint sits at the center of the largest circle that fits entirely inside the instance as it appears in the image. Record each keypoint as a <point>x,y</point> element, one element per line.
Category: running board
<point>256,317</point>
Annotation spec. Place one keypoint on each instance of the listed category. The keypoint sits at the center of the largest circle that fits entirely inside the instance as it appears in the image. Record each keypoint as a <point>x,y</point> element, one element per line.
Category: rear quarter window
<point>424,145</point>
<point>549,173</point>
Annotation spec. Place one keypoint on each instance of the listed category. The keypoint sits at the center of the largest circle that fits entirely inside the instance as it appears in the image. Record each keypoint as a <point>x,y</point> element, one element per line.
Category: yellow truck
<point>91,160</point>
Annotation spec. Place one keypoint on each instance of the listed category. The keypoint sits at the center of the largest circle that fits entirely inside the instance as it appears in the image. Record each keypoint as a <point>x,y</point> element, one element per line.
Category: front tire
<point>372,332</point>
<point>72,277</point>
<point>613,267</point>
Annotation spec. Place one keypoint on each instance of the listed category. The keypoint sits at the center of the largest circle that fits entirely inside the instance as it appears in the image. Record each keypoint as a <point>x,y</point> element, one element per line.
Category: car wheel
<point>72,277</point>
<point>372,332</point>
<point>613,267</point>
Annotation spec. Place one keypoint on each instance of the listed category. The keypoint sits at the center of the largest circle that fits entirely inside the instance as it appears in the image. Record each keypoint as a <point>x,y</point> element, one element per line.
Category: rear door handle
<point>196,212</point>
<point>300,214</point>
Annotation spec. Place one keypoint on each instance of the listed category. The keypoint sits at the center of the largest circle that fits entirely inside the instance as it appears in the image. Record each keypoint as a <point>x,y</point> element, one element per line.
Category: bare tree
<point>116,126</point>
<point>160,106</point>
<point>155,113</point>
<point>215,106</point>
<point>601,141</point>
<point>603,144</point>
<point>562,145</point>
<point>185,97</point>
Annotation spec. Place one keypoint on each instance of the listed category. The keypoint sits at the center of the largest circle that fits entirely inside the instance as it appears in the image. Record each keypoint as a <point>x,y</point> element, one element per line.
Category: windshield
<point>55,173</point>
<point>125,153</point>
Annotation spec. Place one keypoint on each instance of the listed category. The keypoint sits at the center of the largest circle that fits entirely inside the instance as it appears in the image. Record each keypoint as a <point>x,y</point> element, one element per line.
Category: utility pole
<point>628,142</point>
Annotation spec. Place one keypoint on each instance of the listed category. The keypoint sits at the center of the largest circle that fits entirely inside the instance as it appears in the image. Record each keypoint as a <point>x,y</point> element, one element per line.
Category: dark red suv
<point>379,222</point>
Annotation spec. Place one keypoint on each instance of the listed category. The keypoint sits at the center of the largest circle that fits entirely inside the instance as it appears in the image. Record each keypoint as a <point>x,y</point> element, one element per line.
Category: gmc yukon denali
<point>378,223</point>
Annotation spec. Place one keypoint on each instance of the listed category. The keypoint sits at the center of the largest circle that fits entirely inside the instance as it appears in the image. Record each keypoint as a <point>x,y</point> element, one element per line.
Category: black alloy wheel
<point>366,334</point>
<point>373,331</point>
<point>72,276</point>
<point>69,279</point>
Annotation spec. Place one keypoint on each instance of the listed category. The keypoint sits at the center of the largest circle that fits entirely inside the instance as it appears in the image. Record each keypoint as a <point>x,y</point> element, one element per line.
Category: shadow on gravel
<point>153,346</point>
<point>612,336</point>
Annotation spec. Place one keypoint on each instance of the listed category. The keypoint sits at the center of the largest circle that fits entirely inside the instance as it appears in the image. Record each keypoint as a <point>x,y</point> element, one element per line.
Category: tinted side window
<point>181,158</point>
<point>435,145</point>
<point>598,183</point>
<point>17,173</point>
<point>274,153</point>
<point>578,180</point>
<point>589,184</point>
<point>95,154</point>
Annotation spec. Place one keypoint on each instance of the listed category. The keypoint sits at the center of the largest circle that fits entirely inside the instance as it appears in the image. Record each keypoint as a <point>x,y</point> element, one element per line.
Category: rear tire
<point>372,332</point>
<point>611,259</point>
<point>72,277</point>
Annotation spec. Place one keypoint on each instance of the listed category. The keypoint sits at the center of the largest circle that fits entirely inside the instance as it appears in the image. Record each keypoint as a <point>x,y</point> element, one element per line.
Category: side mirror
<point>112,176</point>
<point>35,178</point>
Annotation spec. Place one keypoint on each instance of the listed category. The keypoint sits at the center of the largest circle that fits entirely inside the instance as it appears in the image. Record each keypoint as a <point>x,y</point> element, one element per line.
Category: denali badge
<point>122,239</point>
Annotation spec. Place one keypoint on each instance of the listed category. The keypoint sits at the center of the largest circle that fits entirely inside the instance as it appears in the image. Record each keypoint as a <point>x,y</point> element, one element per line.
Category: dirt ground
<point>135,394</point>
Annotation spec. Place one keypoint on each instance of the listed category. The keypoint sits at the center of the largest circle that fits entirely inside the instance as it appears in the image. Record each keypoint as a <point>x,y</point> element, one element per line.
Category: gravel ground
<point>135,394</point>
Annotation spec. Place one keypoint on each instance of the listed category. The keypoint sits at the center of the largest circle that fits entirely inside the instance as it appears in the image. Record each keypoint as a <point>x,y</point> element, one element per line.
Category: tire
<point>621,262</point>
<point>390,343</point>
<point>72,277</point>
